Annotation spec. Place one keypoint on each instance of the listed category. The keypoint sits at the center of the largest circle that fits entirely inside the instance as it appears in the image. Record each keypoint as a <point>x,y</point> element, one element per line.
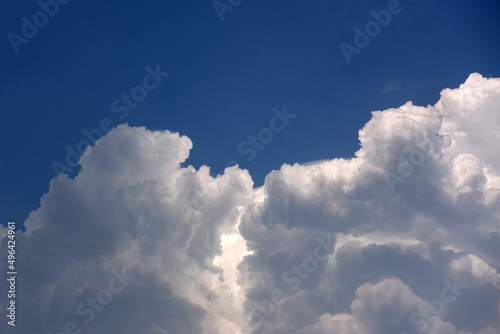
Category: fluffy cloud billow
<point>402,238</point>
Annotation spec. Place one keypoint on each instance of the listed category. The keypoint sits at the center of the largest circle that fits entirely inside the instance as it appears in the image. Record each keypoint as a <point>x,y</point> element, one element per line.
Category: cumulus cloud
<point>131,209</point>
<point>405,210</point>
<point>402,238</point>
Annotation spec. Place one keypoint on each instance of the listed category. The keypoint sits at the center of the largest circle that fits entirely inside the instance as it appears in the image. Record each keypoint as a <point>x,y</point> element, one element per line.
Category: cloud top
<point>402,238</point>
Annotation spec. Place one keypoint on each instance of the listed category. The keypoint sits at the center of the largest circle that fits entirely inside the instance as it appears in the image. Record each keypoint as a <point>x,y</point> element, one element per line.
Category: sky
<point>366,194</point>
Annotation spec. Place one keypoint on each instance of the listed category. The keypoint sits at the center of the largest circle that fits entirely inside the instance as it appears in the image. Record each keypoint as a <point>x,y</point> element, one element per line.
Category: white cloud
<point>208,253</point>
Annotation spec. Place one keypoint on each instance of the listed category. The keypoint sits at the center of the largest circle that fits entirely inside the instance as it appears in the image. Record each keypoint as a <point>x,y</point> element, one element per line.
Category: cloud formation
<point>402,238</point>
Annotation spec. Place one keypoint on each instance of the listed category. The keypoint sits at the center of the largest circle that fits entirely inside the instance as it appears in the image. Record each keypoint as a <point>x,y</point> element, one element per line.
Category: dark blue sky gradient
<point>225,77</point>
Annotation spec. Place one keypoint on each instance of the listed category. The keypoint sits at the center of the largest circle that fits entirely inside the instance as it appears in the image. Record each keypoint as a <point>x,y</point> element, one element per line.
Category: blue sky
<point>368,187</point>
<point>225,77</point>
